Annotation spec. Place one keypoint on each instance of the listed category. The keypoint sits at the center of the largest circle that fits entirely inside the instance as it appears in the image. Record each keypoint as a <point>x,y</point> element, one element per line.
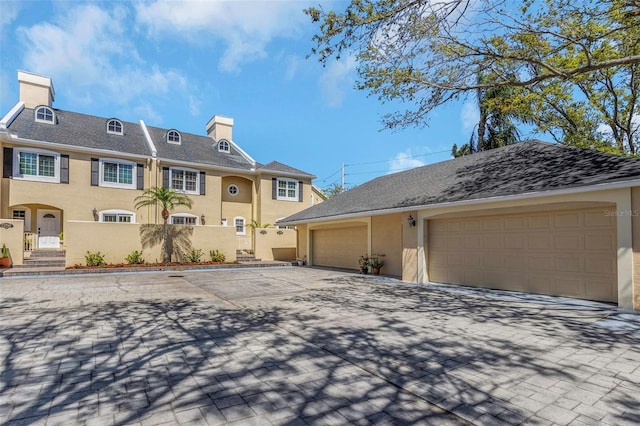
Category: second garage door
<point>339,247</point>
<point>565,253</point>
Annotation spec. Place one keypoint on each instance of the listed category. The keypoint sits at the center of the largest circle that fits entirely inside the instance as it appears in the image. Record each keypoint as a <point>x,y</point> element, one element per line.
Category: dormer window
<point>44,115</point>
<point>223,146</point>
<point>114,127</point>
<point>173,136</point>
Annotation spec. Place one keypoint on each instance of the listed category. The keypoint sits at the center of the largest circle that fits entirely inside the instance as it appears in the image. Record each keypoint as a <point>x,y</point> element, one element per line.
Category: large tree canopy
<point>574,63</point>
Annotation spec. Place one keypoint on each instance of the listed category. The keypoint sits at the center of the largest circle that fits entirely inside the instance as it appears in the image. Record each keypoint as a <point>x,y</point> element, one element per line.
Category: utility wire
<point>399,158</point>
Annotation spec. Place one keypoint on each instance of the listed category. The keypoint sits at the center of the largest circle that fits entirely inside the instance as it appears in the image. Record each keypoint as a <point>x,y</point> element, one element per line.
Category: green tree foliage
<point>573,63</point>
<point>165,199</point>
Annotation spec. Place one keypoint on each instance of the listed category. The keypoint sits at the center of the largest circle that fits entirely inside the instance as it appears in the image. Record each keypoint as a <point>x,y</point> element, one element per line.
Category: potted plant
<point>364,263</point>
<point>376,263</point>
<point>5,260</point>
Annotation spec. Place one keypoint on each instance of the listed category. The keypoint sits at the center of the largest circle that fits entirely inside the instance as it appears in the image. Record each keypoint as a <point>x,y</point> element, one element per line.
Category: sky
<point>174,64</point>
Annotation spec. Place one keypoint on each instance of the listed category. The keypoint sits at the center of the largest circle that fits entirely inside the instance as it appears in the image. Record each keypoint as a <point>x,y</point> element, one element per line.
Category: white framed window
<point>184,219</point>
<point>285,226</point>
<point>117,173</point>
<point>240,224</point>
<point>174,137</point>
<point>36,164</point>
<point>117,216</point>
<point>45,115</point>
<point>185,180</point>
<point>233,190</point>
<point>223,145</point>
<point>23,213</point>
<point>287,189</point>
<point>114,127</point>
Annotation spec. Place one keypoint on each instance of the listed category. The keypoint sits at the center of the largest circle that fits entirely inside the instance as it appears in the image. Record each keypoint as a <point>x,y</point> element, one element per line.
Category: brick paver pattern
<point>304,346</point>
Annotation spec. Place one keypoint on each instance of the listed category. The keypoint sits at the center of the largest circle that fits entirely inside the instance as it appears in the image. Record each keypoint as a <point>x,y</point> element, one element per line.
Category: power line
<point>332,175</point>
<point>399,158</point>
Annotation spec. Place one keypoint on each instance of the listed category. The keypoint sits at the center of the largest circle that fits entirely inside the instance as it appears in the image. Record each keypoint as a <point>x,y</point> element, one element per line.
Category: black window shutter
<point>7,163</point>
<point>140,177</point>
<point>300,194</point>
<point>64,168</point>
<point>165,177</point>
<point>203,178</point>
<point>95,171</point>
<point>274,188</point>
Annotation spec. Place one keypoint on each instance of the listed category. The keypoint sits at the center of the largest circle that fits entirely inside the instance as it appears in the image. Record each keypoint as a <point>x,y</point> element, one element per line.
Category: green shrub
<point>217,256</point>
<point>194,256</point>
<point>94,259</point>
<point>134,258</point>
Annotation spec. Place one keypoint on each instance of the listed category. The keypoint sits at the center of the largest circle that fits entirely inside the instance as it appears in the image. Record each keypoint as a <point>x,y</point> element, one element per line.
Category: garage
<point>339,247</point>
<point>564,253</point>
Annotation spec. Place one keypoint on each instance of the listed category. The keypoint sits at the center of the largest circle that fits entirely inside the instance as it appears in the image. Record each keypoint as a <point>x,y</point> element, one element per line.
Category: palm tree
<point>167,199</point>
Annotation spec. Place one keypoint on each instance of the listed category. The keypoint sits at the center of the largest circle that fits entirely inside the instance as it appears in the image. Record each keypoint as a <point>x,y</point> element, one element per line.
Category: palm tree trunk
<point>166,258</point>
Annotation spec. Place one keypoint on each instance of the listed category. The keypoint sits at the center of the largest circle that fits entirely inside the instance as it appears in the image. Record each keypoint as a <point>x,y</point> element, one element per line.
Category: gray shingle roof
<point>80,130</point>
<point>275,166</point>
<point>197,149</point>
<point>522,168</point>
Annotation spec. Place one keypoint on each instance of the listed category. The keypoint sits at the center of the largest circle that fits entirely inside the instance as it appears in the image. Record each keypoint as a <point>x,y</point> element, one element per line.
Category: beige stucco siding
<point>566,253</point>
<point>339,247</point>
<point>271,210</point>
<point>635,216</point>
<point>386,238</point>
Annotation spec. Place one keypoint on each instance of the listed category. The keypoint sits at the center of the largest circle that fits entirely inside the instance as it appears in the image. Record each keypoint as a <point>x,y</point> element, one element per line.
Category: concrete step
<point>42,262</point>
<point>17,271</point>
<point>47,253</point>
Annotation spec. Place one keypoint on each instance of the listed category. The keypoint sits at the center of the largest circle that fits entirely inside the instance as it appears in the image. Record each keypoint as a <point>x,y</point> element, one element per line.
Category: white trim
<point>184,215</point>
<point>39,120</point>
<point>244,154</point>
<point>117,212</point>
<point>229,189</point>
<point>244,225</point>
<point>178,142</point>
<point>296,197</point>
<point>11,115</point>
<point>565,191</point>
<point>111,132</point>
<point>134,174</point>
<point>182,190</point>
<point>221,141</point>
<point>152,147</point>
<point>74,148</point>
<point>37,178</point>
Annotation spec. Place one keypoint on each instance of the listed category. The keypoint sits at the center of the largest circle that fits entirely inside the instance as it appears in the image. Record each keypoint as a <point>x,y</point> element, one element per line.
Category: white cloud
<point>194,105</point>
<point>405,160</point>
<point>337,79</point>
<point>9,11</point>
<point>469,115</point>
<point>245,27</point>
<point>84,51</point>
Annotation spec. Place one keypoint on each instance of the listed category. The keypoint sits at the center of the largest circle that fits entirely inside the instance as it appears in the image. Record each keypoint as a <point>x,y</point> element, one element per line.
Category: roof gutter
<point>528,195</point>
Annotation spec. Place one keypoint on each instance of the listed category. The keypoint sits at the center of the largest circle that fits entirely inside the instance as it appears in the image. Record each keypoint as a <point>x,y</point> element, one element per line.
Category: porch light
<point>95,214</point>
<point>412,221</point>
<point>202,219</point>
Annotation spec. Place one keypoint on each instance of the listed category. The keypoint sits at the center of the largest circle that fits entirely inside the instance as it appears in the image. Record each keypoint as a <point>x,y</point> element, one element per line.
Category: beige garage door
<point>340,247</point>
<point>564,253</point>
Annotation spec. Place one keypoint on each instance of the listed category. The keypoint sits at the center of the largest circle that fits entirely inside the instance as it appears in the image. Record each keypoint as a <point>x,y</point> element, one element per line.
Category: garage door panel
<point>568,253</point>
<point>340,247</point>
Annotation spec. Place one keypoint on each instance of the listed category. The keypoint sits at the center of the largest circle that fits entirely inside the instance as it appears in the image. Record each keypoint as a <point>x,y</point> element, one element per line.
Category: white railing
<point>30,241</point>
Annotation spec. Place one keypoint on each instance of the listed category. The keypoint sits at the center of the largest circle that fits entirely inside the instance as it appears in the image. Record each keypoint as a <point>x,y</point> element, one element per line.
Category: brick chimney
<point>220,127</point>
<point>35,89</point>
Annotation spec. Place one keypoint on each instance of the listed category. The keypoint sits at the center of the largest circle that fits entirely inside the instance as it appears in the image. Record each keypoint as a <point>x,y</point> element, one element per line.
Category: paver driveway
<point>307,346</point>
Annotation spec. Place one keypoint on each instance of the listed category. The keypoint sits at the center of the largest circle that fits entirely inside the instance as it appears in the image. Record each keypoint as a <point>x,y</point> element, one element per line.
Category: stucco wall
<point>386,238</point>
<point>635,215</point>
<point>275,244</point>
<point>303,239</point>
<point>13,238</point>
<point>410,250</point>
<point>271,210</point>
<point>117,240</point>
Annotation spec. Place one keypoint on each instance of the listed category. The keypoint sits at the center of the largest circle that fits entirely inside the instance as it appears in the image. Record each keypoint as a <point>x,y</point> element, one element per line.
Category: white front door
<point>48,229</point>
